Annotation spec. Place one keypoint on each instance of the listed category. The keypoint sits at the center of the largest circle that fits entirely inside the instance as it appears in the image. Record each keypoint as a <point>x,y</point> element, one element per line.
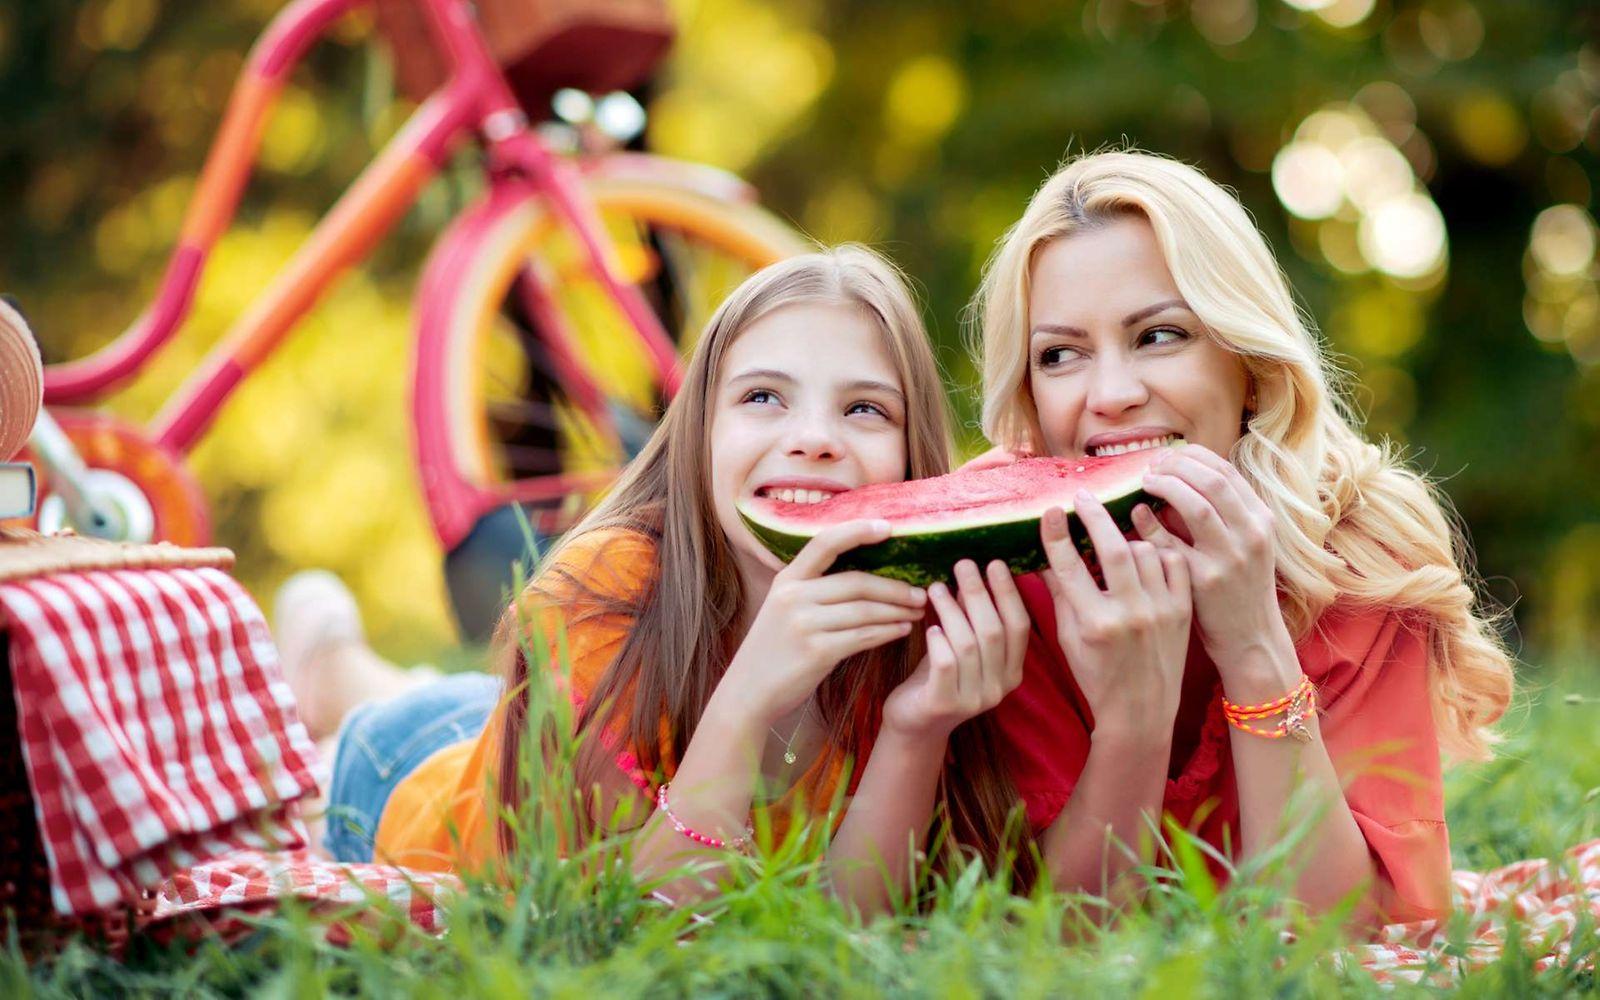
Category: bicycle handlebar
<point>275,54</point>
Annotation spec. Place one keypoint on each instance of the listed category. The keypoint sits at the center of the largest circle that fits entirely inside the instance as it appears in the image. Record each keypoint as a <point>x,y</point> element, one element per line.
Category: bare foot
<point>326,659</point>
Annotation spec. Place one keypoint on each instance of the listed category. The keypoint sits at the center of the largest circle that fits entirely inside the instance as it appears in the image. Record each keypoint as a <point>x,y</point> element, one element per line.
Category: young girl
<point>1297,614</point>
<point>708,676</point>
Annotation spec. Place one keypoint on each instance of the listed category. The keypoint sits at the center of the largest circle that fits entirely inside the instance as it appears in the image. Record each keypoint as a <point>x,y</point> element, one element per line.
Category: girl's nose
<point>1115,387</point>
<point>812,436</point>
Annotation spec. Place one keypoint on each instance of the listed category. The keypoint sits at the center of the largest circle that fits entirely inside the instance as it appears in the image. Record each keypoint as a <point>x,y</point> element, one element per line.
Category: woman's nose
<point>1115,387</point>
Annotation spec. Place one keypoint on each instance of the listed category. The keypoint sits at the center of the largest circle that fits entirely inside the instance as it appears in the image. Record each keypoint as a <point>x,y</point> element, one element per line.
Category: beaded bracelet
<point>703,839</point>
<point>1297,706</point>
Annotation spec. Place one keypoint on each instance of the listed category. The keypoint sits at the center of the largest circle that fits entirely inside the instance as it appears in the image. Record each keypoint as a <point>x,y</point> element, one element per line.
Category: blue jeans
<point>382,742</point>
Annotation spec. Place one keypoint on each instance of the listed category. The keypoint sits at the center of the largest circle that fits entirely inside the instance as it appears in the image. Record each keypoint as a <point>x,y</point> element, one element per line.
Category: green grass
<point>586,929</point>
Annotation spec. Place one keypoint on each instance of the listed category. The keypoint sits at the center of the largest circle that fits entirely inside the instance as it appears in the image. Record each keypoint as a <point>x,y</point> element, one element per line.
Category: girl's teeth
<point>800,496</point>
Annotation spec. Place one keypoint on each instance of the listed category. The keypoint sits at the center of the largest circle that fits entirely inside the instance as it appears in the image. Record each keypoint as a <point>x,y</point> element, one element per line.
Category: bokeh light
<point>1345,13</point>
<point>1374,172</point>
<point>1562,304</point>
<point>1308,179</point>
<point>1403,236</point>
<point>1343,166</point>
<point>1563,240</point>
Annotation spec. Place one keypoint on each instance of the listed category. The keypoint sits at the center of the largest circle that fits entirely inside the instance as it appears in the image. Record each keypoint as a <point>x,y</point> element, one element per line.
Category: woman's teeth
<point>1106,451</point>
<point>799,496</point>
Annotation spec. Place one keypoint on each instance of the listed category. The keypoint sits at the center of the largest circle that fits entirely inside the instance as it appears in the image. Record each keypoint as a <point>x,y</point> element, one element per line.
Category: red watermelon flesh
<point>983,514</point>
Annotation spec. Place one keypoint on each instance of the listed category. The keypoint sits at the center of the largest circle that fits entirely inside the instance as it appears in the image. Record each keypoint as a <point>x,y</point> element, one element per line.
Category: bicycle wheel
<point>534,392</point>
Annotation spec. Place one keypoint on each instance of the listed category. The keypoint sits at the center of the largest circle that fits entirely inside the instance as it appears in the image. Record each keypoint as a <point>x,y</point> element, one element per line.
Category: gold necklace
<point>788,744</point>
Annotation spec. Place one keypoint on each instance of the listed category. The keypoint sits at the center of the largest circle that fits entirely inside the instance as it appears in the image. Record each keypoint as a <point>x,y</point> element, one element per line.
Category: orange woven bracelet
<point>1267,707</point>
<point>1297,706</point>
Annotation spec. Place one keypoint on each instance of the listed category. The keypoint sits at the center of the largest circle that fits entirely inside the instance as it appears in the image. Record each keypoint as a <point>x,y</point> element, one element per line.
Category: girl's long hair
<point>686,623</point>
<point>1353,524</point>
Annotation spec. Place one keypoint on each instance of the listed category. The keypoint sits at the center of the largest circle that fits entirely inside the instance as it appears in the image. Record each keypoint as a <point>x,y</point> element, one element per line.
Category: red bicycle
<point>511,411</point>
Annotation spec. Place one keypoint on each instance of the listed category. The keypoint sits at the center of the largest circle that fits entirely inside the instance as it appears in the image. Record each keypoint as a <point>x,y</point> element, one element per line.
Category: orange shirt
<point>441,817</point>
<point>1370,669</point>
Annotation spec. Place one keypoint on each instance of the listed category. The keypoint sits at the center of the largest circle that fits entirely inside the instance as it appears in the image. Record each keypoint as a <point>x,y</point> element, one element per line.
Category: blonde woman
<point>1297,616</point>
<point>708,676</point>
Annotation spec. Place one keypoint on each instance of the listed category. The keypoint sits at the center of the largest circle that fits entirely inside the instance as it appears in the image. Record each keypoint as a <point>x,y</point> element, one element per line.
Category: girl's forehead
<point>823,340</point>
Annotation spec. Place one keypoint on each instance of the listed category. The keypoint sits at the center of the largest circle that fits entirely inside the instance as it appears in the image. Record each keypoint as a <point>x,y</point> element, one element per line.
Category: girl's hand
<point>1126,644</point>
<point>810,622</point>
<point>994,458</point>
<point>974,655</point>
<point>1231,559</point>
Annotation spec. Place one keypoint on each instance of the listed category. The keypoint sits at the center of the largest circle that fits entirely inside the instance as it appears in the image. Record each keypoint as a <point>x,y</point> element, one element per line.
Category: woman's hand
<point>1231,558</point>
<point>1126,644</point>
<point>974,655</point>
<point>810,622</point>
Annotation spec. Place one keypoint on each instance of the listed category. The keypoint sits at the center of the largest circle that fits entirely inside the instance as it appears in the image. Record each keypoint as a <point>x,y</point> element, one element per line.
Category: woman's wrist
<point>1123,737</point>
<point>1261,668</point>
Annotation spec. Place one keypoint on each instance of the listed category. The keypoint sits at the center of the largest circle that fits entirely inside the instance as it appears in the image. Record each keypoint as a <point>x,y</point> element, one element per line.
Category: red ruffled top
<point>1370,669</point>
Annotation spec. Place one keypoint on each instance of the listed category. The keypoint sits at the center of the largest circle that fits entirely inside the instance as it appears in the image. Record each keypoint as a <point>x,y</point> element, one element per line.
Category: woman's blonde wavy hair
<point>1353,525</point>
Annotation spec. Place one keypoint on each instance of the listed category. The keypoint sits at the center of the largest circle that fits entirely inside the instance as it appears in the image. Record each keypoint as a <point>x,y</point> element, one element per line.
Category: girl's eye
<point>1163,335</point>
<point>760,396</point>
<point>865,407</point>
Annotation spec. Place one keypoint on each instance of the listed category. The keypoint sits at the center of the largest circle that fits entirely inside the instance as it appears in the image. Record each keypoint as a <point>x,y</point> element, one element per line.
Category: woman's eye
<point>1052,356</point>
<point>1164,335</point>
<point>760,396</point>
<point>865,407</point>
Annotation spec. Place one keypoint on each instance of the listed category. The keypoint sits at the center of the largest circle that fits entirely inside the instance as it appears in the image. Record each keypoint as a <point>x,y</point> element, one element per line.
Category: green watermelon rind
<point>925,558</point>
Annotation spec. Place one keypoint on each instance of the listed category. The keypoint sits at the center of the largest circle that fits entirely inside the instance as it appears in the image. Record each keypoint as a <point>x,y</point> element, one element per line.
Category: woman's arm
<point>1271,773</point>
<point>1114,809</point>
<point>1127,646</point>
<point>1231,563</point>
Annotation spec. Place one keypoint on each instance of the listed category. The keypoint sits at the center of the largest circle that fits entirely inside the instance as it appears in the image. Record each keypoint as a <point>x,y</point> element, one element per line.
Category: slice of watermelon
<point>981,515</point>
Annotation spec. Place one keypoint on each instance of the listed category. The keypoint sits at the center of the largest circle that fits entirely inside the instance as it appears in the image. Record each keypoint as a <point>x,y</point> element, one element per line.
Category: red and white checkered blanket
<point>1539,902</point>
<point>215,899</point>
<point>155,724</point>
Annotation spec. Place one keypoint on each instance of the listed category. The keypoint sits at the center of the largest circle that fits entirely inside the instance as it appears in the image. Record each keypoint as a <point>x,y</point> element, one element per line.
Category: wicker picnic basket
<point>24,874</point>
<point>543,45</point>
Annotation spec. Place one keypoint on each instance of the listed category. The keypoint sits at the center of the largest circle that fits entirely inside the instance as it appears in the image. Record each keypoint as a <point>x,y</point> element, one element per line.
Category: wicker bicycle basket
<point>542,45</point>
<point>24,873</point>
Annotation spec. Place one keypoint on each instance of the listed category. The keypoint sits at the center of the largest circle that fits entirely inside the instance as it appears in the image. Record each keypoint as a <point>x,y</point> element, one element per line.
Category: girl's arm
<point>807,625</point>
<point>974,660</point>
<point>710,793</point>
<point>872,856</point>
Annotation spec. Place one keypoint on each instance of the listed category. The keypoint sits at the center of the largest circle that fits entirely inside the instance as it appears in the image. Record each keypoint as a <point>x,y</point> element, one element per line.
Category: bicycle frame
<point>475,100</point>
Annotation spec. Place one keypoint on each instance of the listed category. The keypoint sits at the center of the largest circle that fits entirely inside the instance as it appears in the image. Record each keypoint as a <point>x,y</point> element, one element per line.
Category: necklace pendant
<point>788,757</point>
